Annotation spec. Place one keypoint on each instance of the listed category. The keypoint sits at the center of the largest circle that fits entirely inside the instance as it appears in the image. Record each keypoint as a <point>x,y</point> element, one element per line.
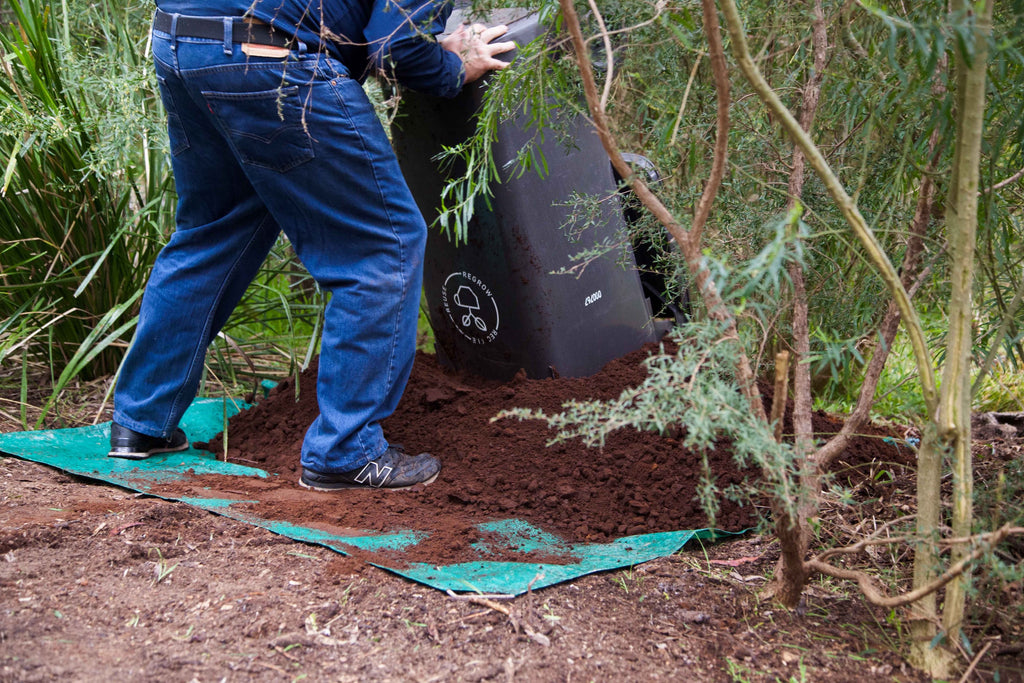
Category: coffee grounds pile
<point>638,482</point>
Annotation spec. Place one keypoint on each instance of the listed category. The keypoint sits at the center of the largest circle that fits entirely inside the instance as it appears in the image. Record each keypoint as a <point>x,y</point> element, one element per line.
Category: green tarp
<point>82,451</point>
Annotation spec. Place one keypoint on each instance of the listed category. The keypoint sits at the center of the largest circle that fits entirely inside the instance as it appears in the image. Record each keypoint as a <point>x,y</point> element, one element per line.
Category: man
<point>270,130</point>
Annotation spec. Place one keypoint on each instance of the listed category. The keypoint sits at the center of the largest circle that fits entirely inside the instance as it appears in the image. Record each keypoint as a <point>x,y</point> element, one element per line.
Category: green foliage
<point>888,89</point>
<point>1003,392</point>
<point>85,207</point>
<point>898,396</point>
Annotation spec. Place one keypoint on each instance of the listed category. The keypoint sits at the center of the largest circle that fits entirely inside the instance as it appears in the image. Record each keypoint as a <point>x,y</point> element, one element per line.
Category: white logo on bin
<point>470,306</point>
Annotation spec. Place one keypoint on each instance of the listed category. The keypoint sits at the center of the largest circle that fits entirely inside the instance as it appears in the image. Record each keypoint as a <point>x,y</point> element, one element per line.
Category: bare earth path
<point>82,598</point>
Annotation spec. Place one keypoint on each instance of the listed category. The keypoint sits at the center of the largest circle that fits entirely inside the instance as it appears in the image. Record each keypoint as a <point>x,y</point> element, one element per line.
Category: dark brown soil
<point>639,482</point>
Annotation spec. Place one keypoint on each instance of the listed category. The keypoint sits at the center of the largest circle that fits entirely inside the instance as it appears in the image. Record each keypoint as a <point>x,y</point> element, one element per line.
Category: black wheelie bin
<point>495,304</point>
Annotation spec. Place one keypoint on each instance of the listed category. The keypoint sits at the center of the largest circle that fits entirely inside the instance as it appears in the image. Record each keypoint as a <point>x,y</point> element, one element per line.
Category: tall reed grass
<point>87,197</point>
<point>88,200</point>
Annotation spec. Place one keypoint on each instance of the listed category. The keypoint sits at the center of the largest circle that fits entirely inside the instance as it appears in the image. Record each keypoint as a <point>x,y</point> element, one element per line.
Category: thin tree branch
<point>688,241</point>
<point>866,582</point>
<point>609,71</point>
<point>721,75</point>
<point>870,539</point>
<point>974,662</point>
<point>686,96</point>
<point>780,392</point>
<point>954,413</point>
<point>1008,181</point>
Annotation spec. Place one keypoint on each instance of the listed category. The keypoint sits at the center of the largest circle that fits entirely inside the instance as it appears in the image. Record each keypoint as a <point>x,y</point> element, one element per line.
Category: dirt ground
<point>97,582</point>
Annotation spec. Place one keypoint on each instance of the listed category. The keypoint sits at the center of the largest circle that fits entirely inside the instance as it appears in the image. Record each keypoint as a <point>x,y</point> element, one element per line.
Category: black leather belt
<point>242,30</point>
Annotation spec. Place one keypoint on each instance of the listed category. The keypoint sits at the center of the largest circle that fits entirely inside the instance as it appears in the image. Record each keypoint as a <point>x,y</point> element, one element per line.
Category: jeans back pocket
<point>265,128</point>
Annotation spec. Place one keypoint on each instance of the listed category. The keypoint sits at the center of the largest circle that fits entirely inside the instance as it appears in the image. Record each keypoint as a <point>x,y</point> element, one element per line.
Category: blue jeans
<point>261,145</point>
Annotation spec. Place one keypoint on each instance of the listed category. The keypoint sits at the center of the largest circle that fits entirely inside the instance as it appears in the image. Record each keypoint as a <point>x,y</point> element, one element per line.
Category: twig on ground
<point>271,666</point>
<point>284,653</point>
<point>974,662</point>
<point>8,416</point>
<point>871,539</point>
<point>490,603</point>
<point>487,601</point>
<point>1006,650</point>
<point>473,597</point>
<point>474,615</point>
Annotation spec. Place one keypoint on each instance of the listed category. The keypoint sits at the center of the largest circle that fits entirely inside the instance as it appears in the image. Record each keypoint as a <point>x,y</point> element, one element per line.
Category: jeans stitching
<point>173,120</point>
<point>235,138</point>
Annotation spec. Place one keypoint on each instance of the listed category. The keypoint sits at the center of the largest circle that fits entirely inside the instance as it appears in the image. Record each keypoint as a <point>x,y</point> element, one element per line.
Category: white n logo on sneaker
<point>378,477</point>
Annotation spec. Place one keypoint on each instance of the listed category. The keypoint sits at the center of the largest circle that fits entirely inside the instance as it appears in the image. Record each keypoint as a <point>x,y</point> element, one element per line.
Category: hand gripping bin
<point>494,303</point>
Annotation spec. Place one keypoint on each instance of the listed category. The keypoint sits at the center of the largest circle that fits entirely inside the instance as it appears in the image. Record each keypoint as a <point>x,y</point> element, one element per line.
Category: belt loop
<point>301,46</point>
<point>174,32</point>
<point>228,36</point>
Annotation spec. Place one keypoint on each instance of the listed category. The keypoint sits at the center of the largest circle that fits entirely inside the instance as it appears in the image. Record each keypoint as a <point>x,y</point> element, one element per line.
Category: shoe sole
<point>142,455</point>
<point>349,487</point>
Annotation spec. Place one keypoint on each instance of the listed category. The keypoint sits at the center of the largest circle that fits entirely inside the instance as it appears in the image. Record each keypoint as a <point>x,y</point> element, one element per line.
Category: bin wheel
<point>668,298</point>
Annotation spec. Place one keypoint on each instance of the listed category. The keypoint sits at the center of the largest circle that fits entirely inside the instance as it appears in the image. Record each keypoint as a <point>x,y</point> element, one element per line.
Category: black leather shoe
<point>126,443</point>
<point>393,470</point>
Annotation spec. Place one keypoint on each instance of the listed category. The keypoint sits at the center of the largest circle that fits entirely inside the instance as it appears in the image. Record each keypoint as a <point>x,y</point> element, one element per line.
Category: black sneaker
<point>393,470</point>
<point>126,443</point>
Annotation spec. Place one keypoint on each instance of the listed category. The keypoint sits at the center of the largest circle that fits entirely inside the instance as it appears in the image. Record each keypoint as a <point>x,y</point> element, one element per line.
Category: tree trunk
<point>790,579</point>
<point>950,431</point>
<point>962,225</point>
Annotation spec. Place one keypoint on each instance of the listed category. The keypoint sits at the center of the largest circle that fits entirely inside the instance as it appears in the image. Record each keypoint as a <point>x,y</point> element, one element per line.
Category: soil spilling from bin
<point>492,470</point>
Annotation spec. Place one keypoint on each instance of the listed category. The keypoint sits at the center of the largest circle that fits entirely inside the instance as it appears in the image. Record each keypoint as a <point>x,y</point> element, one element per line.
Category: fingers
<point>500,48</point>
<point>483,36</point>
<point>489,64</point>
<point>488,34</point>
<point>473,45</point>
<point>479,33</point>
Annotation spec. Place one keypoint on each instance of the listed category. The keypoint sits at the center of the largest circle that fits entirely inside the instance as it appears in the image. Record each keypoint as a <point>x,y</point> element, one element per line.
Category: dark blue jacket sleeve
<point>402,45</point>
